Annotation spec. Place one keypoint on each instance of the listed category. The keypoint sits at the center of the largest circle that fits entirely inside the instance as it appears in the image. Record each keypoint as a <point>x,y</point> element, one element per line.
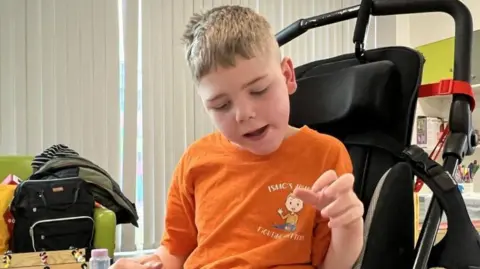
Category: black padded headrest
<point>351,100</point>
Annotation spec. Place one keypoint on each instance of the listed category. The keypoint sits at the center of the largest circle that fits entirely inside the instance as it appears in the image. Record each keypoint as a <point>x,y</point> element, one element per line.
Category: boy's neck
<point>291,131</point>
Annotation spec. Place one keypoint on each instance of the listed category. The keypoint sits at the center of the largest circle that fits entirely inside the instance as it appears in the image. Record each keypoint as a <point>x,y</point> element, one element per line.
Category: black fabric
<point>104,188</point>
<point>369,164</point>
<point>42,207</point>
<point>390,240</point>
<point>409,65</point>
<point>366,94</point>
<point>63,234</point>
<point>369,106</point>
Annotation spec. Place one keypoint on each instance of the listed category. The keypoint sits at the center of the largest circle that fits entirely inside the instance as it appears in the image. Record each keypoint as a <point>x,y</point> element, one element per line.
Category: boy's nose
<point>245,113</point>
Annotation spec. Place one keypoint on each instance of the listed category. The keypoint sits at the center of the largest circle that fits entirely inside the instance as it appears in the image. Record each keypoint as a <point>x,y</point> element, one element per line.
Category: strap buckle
<point>427,169</point>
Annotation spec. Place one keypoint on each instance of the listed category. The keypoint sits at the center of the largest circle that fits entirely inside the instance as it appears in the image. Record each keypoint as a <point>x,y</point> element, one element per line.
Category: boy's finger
<point>143,259</point>
<point>324,180</point>
<point>337,207</point>
<point>352,214</point>
<point>343,184</point>
<point>153,265</point>
<point>310,197</point>
<point>146,259</point>
<point>128,264</point>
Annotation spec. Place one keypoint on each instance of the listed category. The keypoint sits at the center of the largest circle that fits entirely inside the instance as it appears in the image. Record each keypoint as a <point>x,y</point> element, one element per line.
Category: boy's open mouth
<point>257,132</point>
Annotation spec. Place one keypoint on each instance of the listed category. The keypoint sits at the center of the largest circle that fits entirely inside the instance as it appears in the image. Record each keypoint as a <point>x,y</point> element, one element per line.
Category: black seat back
<point>370,106</point>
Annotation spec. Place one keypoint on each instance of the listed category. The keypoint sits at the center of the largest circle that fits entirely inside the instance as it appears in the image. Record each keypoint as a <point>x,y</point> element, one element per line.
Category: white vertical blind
<point>59,79</point>
<point>126,233</point>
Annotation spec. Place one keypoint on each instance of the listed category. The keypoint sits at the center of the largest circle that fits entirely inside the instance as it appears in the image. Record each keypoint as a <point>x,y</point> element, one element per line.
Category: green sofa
<point>105,220</point>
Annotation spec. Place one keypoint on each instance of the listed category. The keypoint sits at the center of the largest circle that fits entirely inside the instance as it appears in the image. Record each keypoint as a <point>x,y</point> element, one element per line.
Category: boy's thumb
<point>153,265</point>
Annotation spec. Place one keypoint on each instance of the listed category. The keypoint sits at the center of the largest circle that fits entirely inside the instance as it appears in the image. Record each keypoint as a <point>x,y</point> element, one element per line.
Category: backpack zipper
<point>19,187</point>
<point>32,233</point>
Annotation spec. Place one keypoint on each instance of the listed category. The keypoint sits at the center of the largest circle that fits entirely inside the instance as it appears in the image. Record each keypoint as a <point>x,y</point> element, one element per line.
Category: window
<point>139,151</point>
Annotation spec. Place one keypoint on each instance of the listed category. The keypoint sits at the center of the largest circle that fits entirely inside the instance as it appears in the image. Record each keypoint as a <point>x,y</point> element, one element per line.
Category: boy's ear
<point>289,74</point>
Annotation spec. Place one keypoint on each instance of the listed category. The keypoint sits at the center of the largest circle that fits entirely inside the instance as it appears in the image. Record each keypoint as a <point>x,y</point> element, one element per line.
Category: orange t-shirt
<point>228,208</point>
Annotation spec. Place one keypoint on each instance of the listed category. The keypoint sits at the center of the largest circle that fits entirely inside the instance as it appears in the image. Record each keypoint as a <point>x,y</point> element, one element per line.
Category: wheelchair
<point>367,99</point>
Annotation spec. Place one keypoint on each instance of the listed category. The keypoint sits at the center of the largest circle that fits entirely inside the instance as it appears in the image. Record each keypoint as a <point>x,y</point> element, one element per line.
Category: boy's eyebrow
<point>215,97</point>
<point>254,80</point>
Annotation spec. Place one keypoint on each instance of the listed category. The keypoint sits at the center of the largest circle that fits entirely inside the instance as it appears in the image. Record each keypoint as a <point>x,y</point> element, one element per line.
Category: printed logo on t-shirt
<point>288,213</point>
<point>290,218</point>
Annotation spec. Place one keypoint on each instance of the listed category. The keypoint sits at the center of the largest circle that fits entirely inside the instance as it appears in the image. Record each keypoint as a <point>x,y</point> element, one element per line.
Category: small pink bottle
<point>99,259</point>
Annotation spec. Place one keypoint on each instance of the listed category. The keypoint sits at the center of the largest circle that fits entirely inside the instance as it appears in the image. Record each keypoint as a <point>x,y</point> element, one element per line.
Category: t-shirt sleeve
<point>322,233</point>
<point>180,232</point>
<point>343,163</point>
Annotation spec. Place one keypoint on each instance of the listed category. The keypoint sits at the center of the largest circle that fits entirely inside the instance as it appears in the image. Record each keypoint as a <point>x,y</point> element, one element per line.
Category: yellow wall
<point>439,60</point>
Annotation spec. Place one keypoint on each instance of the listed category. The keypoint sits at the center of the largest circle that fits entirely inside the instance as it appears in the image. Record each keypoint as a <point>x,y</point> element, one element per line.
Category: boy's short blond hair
<point>218,36</point>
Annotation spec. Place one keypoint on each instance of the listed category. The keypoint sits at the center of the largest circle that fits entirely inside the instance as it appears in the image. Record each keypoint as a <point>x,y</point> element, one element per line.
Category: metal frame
<point>461,141</point>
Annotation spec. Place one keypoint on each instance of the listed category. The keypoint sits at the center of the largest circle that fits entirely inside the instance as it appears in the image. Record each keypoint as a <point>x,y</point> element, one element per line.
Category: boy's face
<point>249,103</point>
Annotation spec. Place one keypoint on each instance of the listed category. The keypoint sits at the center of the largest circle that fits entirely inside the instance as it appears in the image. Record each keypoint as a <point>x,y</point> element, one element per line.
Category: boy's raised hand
<point>145,262</point>
<point>334,197</point>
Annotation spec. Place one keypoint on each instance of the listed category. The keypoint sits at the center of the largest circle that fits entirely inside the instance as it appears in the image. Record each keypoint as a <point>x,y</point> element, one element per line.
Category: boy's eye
<point>222,106</point>
<point>259,92</point>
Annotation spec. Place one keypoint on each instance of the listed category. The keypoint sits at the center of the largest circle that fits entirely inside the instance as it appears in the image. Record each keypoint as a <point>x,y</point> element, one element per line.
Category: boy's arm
<point>170,261</point>
<point>161,259</point>
<point>180,235</point>
<point>345,242</point>
<point>345,247</point>
<point>164,258</point>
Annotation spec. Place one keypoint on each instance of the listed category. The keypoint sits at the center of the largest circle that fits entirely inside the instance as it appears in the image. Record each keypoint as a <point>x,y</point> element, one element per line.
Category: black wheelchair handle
<point>455,8</point>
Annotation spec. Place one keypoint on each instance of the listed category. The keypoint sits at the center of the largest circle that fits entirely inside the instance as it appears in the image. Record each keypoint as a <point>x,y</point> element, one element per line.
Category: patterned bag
<point>11,180</point>
<point>7,188</point>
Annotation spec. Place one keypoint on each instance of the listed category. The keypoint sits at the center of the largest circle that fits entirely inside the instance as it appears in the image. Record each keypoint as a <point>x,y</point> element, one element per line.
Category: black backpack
<point>52,214</point>
<point>104,188</point>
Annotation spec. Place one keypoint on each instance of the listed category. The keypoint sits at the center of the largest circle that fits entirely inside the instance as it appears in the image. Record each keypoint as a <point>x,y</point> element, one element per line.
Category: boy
<point>250,195</point>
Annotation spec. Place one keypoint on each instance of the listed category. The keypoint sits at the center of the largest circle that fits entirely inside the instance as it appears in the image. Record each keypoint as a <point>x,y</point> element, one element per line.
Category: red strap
<point>448,87</point>
<point>434,154</point>
<point>444,87</point>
